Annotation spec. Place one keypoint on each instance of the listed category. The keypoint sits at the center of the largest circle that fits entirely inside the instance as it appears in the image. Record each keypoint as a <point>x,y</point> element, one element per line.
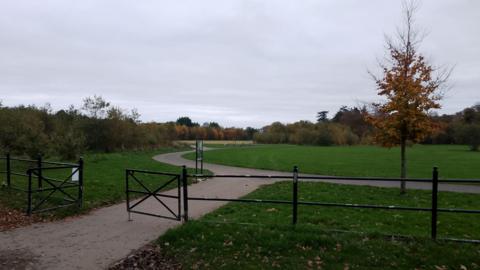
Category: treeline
<point>348,127</point>
<point>96,126</point>
<point>99,126</point>
<point>186,129</point>
<point>460,128</point>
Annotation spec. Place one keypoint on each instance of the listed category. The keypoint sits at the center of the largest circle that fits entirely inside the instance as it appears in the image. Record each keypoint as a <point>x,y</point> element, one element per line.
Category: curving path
<point>177,159</point>
<point>96,240</point>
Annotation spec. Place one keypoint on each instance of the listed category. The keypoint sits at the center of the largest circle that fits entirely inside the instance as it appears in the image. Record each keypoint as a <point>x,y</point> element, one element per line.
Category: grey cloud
<point>236,62</point>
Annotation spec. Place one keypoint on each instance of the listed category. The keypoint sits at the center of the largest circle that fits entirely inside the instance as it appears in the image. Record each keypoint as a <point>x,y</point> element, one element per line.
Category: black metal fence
<point>135,184</point>
<point>42,181</point>
<point>183,197</point>
<point>295,202</point>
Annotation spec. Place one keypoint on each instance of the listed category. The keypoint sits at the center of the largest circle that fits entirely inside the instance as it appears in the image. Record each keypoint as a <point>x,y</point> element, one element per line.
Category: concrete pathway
<point>176,159</point>
<point>105,235</point>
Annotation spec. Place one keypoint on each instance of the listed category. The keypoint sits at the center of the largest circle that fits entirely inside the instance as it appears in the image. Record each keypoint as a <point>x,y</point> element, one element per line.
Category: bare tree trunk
<point>403,169</point>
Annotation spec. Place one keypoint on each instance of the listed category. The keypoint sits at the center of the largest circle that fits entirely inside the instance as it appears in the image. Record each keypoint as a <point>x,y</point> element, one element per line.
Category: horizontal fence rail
<point>45,186</point>
<point>295,178</point>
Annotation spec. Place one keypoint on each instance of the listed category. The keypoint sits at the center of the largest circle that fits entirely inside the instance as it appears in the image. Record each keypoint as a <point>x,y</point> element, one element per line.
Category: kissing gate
<point>168,191</point>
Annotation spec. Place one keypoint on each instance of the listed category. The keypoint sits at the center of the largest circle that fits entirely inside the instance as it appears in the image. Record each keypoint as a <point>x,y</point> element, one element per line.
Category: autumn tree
<point>411,88</point>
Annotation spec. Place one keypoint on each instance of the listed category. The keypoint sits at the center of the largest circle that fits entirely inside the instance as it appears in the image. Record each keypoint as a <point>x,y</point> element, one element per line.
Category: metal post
<point>185,193</point>
<point>39,166</point>
<point>127,172</point>
<point>196,156</point>
<point>9,171</point>
<point>80,182</point>
<point>434,202</point>
<point>179,196</point>
<point>29,198</point>
<point>201,159</point>
<point>295,195</point>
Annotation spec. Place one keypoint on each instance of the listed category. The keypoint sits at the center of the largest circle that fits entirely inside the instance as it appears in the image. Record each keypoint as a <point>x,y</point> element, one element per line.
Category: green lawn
<point>453,161</point>
<point>104,178</point>
<point>259,236</point>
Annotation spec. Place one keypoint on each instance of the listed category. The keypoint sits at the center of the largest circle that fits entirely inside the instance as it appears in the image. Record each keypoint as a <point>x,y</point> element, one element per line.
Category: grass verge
<point>454,161</point>
<point>259,236</point>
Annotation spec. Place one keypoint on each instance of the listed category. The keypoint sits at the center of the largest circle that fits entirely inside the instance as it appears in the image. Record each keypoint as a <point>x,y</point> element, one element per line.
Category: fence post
<point>196,156</point>
<point>185,193</point>
<point>39,166</point>
<point>434,202</point>
<point>29,198</point>
<point>127,194</point>
<point>295,195</point>
<point>9,171</point>
<point>80,182</point>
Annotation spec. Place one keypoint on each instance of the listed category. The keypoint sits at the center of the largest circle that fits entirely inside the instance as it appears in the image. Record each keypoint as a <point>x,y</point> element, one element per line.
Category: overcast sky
<point>240,63</point>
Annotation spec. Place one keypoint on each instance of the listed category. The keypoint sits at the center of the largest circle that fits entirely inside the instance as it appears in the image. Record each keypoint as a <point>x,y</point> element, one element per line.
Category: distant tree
<point>213,125</point>
<point>411,90</point>
<point>472,114</point>
<point>324,135</point>
<point>185,121</point>
<point>468,132</point>
<point>69,144</point>
<point>322,116</point>
<point>250,132</point>
<point>135,115</point>
<point>354,118</point>
<point>96,107</point>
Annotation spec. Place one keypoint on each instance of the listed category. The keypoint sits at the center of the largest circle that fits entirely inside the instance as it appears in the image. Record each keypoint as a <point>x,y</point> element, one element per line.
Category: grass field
<point>104,178</point>
<point>453,161</point>
<point>259,236</point>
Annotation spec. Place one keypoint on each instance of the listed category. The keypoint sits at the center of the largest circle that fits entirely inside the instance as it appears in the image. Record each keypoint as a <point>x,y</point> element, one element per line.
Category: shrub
<point>469,134</point>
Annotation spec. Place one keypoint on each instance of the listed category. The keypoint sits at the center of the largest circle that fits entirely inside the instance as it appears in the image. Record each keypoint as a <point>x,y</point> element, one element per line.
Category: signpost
<point>199,156</point>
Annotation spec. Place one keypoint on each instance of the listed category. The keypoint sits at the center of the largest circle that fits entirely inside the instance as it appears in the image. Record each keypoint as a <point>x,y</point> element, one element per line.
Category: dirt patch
<point>11,218</point>
<point>148,257</point>
<point>17,259</point>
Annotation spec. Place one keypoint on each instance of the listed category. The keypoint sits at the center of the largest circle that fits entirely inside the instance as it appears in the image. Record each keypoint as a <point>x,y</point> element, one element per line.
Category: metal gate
<point>149,185</point>
<point>47,185</point>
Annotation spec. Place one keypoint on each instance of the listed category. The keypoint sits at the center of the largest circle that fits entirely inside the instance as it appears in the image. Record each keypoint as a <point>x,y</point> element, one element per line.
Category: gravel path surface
<point>96,240</point>
<point>176,159</point>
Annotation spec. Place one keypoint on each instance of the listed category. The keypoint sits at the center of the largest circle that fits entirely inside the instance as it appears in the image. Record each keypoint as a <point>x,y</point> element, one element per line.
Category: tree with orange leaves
<point>411,88</point>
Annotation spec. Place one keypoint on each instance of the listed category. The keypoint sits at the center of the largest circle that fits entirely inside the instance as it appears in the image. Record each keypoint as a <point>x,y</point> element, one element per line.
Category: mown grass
<point>454,161</point>
<point>259,236</point>
<point>104,179</point>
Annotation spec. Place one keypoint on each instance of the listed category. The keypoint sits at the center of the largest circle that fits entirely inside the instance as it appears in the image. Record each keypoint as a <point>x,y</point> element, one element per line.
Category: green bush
<point>469,134</point>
